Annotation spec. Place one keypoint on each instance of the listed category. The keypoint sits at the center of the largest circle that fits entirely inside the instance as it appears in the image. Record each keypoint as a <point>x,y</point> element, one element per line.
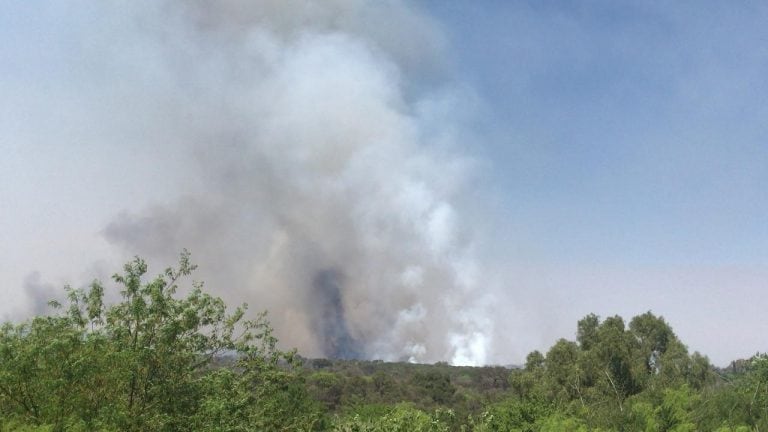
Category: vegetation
<point>157,361</point>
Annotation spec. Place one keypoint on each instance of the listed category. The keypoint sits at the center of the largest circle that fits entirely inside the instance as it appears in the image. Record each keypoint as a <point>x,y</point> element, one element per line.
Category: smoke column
<point>318,144</point>
<point>329,316</point>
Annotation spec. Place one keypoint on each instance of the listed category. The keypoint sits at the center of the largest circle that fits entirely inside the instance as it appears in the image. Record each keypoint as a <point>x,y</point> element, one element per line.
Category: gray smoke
<point>39,294</point>
<point>328,315</point>
<point>317,144</point>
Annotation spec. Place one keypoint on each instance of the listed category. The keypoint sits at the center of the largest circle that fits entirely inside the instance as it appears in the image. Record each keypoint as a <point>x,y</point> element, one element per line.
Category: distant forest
<point>160,361</point>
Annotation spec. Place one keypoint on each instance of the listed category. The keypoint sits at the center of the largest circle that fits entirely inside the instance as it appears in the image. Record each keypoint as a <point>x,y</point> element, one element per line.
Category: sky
<point>631,150</point>
<point>463,180</point>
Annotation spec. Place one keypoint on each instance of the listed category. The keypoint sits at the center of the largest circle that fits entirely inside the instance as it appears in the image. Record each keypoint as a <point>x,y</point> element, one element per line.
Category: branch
<point>618,397</point>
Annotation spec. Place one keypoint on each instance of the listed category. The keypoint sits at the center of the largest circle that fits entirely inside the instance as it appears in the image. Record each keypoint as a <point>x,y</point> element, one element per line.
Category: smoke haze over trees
<point>424,181</point>
<point>159,360</point>
<point>324,189</point>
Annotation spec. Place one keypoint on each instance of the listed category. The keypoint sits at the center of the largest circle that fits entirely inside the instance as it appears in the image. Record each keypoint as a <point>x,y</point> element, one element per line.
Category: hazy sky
<point>600,156</point>
<point>630,149</point>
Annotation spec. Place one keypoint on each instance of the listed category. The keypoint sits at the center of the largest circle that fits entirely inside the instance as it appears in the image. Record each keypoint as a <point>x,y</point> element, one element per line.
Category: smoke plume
<point>328,316</point>
<point>318,148</point>
<point>39,293</point>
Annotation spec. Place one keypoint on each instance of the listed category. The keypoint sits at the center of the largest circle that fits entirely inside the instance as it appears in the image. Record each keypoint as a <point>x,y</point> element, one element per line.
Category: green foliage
<point>402,418</point>
<point>159,361</point>
<point>734,429</point>
<point>513,415</point>
<point>615,377</point>
<point>143,363</point>
<point>436,386</point>
<point>369,411</point>
<point>563,374</point>
<point>561,423</point>
<point>674,414</point>
<point>586,333</point>
<point>327,388</point>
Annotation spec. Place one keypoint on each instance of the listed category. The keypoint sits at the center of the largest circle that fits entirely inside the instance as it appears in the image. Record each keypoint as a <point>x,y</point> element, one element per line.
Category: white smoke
<point>327,182</point>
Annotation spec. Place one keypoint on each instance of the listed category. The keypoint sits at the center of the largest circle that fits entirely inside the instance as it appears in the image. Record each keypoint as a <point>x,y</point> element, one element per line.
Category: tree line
<point>155,360</point>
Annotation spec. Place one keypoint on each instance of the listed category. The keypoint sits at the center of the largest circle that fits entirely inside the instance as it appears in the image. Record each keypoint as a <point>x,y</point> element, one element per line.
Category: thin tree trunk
<point>618,397</point>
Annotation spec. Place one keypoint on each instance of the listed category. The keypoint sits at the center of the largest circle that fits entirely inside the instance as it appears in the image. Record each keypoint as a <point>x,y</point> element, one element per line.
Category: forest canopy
<point>156,360</point>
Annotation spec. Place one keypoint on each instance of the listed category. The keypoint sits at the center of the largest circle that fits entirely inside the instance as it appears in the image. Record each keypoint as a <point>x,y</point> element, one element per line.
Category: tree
<point>563,376</point>
<point>614,352</point>
<point>512,415</point>
<point>402,418</point>
<point>586,331</point>
<point>143,363</point>
<point>327,388</point>
<point>534,360</point>
<point>435,385</point>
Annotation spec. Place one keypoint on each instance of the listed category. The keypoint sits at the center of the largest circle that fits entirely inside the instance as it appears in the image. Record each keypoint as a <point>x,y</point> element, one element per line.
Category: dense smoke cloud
<point>323,177</point>
<point>282,140</point>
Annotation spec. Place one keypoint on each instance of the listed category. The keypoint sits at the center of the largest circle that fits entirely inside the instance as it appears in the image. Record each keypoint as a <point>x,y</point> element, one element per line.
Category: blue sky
<point>624,148</point>
<point>639,129</point>
<point>630,142</point>
<point>630,146</point>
